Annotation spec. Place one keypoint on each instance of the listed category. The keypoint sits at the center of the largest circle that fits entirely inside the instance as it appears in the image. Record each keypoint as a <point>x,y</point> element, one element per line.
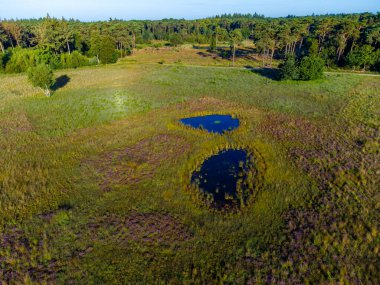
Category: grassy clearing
<point>95,180</point>
<point>197,55</point>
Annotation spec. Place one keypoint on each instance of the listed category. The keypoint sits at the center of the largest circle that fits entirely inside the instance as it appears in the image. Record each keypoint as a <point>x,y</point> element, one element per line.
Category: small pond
<point>212,123</point>
<point>226,178</point>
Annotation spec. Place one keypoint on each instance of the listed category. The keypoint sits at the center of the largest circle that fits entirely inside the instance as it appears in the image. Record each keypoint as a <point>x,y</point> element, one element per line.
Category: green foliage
<point>54,35</point>
<point>312,47</point>
<point>41,76</point>
<point>5,57</point>
<point>235,37</point>
<point>213,43</point>
<point>377,61</point>
<point>73,60</point>
<point>80,44</point>
<point>93,61</point>
<point>47,56</point>
<point>2,62</point>
<point>331,37</point>
<point>328,54</point>
<point>21,60</point>
<point>363,56</point>
<point>147,37</point>
<point>311,68</point>
<point>158,45</point>
<point>175,40</point>
<point>289,69</point>
<point>107,51</point>
<point>95,45</point>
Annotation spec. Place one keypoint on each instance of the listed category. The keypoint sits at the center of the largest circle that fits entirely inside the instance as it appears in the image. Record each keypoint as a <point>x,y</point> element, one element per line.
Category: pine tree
<point>42,76</point>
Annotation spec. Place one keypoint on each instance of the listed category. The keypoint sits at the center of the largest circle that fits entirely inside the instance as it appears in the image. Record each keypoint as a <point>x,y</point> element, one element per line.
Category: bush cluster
<point>73,60</point>
<point>20,60</point>
<point>308,68</point>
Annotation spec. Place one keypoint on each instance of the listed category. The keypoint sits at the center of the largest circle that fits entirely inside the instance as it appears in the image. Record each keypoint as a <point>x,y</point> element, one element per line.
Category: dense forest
<point>350,41</point>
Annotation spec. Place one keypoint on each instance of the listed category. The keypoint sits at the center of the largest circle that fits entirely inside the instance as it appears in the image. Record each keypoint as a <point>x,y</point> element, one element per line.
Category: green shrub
<point>362,57</point>
<point>107,51</point>
<point>376,66</point>
<point>328,54</point>
<point>41,76</point>
<point>175,40</point>
<point>147,37</point>
<point>2,63</point>
<point>213,43</point>
<point>157,45</point>
<point>65,60</point>
<point>47,56</point>
<point>311,68</point>
<point>4,58</point>
<point>93,61</point>
<point>78,60</point>
<point>20,60</point>
<point>312,47</point>
<point>289,69</point>
<point>73,60</point>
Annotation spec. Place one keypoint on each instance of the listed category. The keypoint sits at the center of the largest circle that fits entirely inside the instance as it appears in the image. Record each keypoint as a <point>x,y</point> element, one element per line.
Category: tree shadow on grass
<point>60,82</point>
<point>270,73</point>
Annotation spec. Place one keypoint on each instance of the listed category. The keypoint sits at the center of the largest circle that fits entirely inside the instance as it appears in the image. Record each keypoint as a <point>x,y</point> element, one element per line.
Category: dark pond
<point>223,178</point>
<point>212,123</point>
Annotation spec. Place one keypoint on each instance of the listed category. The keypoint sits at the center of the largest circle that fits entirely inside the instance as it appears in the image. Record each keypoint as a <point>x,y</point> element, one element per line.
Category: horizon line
<point>190,18</point>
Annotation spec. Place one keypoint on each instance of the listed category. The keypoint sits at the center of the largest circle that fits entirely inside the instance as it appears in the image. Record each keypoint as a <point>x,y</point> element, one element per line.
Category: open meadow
<point>95,181</point>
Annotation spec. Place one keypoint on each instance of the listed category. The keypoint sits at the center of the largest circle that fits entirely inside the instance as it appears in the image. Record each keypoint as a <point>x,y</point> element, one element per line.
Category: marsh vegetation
<point>96,181</point>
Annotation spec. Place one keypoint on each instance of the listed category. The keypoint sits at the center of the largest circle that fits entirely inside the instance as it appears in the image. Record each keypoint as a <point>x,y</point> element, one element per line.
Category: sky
<point>93,10</point>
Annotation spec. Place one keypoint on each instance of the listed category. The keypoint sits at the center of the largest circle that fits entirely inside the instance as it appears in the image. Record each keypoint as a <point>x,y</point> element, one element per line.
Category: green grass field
<point>95,181</point>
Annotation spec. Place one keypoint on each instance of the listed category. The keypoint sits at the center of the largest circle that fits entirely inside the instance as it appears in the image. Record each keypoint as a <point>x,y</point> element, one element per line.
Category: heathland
<point>95,181</point>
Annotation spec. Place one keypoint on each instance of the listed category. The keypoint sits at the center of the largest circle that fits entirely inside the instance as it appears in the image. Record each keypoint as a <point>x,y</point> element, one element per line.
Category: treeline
<point>339,40</point>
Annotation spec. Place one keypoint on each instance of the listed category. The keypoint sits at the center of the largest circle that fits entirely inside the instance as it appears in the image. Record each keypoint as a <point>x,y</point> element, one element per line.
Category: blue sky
<point>90,10</point>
